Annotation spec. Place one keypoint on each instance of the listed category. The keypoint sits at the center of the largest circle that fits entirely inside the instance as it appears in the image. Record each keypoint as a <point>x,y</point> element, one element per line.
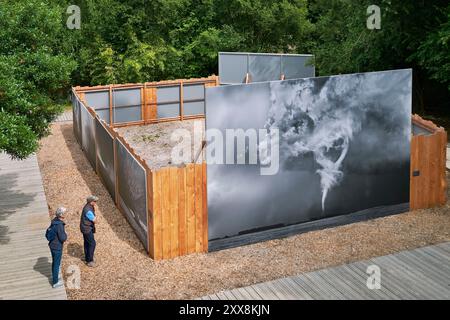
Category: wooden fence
<point>177,210</point>
<point>428,166</point>
<point>149,98</point>
<point>177,218</point>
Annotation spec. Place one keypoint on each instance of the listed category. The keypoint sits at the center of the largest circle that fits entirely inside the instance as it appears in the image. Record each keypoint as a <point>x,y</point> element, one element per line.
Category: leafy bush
<point>35,72</point>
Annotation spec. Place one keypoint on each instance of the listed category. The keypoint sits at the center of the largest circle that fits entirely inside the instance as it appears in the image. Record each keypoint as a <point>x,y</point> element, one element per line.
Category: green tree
<point>138,40</point>
<point>434,53</point>
<point>35,69</point>
<point>345,44</point>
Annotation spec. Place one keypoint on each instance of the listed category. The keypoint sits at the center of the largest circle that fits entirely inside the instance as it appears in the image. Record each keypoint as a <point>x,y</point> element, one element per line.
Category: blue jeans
<point>56,263</point>
<point>89,246</point>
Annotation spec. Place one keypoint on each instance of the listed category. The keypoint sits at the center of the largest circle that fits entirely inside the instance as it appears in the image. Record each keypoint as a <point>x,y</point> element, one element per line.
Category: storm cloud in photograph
<point>344,147</point>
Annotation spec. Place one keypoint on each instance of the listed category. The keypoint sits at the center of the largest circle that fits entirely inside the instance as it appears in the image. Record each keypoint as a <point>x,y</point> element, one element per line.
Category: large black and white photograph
<point>132,189</point>
<point>344,147</point>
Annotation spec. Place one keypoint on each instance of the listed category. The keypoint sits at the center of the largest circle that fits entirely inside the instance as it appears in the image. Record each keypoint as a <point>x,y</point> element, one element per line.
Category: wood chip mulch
<point>124,271</point>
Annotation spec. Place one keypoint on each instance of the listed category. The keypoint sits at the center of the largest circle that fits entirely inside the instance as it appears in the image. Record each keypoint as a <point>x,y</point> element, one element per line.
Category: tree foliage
<point>434,53</point>
<point>35,68</point>
<point>125,41</point>
<point>138,40</point>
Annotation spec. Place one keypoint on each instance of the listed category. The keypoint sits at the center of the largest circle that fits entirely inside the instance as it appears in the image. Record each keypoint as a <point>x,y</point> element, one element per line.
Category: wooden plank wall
<point>150,104</point>
<point>179,219</point>
<point>428,159</point>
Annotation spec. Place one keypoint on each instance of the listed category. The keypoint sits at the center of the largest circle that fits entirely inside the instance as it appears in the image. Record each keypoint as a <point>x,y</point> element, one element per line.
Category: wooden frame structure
<point>177,218</point>
<point>428,166</point>
<point>149,98</point>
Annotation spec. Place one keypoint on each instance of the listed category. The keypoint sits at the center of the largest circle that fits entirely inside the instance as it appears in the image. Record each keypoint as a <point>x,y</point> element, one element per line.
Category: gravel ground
<point>124,270</point>
<point>154,142</point>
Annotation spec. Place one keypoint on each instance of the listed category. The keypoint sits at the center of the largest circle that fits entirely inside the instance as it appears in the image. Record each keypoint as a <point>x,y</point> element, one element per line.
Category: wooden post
<point>157,214</point>
<point>111,106</point>
<point>205,208</point>
<point>96,145</point>
<point>247,78</point>
<point>115,170</point>
<point>151,114</point>
<point>173,212</point>
<point>198,188</point>
<point>181,101</point>
<point>190,208</point>
<point>165,213</point>
<point>144,103</point>
<point>82,97</point>
<point>150,221</point>
<point>182,217</point>
<point>443,168</point>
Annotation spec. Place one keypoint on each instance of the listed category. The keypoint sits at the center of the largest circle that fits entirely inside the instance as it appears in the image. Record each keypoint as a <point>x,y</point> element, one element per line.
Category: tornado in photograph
<point>344,147</point>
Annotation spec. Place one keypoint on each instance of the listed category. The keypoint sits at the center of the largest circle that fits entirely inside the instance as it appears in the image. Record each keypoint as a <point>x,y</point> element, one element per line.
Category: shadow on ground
<point>75,250</point>
<point>96,187</point>
<point>11,201</point>
<point>44,267</point>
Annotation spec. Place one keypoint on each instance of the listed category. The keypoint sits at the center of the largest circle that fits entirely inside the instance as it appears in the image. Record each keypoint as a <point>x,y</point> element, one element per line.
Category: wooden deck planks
<point>25,265</point>
<point>409,275</point>
<point>66,116</point>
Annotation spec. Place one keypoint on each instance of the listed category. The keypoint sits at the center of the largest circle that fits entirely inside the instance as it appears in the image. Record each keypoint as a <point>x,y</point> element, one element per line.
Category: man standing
<point>87,228</point>
<point>56,236</point>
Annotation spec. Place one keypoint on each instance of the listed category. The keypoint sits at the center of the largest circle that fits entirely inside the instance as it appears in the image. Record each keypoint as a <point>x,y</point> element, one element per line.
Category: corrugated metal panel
<point>88,135</point>
<point>264,68</point>
<point>97,100</point>
<point>168,94</point>
<point>103,114</point>
<point>194,92</point>
<point>194,108</point>
<point>132,181</point>
<point>105,156</point>
<point>232,68</point>
<point>76,119</point>
<point>168,111</point>
<point>125,98</point>
<point>297,67</point>
<point>127,114</point>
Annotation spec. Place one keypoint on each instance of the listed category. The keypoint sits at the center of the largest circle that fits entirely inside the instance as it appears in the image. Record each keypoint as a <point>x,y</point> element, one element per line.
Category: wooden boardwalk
<point>25,261</point>
<point>410,275</point>
<point>66,116</point>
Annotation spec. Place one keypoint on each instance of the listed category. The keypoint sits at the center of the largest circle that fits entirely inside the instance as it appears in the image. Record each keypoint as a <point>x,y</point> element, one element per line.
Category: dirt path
<point>125,271</point>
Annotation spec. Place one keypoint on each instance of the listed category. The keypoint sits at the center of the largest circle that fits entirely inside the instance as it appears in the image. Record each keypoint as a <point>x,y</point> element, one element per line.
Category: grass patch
<point>148,138</point>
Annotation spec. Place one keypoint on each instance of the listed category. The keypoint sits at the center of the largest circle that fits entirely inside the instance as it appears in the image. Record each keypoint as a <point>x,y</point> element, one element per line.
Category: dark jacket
<point>87,226</point>
<point>61,236</point>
